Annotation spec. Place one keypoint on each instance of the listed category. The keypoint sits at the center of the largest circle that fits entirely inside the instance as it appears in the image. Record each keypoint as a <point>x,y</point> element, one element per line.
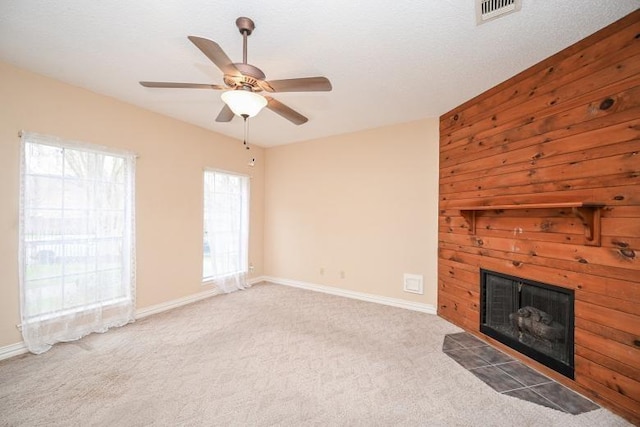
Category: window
<point>226,230</point>
<point>77,240</point>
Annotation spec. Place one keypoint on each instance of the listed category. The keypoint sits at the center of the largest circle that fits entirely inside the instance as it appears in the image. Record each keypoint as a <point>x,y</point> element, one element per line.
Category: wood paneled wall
<point>564,130</point>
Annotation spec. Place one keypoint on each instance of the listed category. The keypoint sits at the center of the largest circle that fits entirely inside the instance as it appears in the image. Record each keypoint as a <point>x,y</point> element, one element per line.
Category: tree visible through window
<point>76,240</point>
<point>225,243</point>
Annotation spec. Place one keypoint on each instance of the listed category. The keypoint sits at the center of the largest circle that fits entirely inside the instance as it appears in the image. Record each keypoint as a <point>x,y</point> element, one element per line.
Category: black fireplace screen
<point>533,318</point>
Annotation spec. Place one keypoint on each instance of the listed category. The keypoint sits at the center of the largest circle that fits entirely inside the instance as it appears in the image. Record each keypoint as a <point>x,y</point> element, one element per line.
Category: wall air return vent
<point>487,10</point>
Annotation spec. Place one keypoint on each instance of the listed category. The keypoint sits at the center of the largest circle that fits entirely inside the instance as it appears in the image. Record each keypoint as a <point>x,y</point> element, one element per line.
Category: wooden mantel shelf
<point>589,213</point>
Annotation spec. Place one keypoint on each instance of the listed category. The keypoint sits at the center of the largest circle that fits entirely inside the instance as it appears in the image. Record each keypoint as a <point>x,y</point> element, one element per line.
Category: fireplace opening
<point>533,318</point>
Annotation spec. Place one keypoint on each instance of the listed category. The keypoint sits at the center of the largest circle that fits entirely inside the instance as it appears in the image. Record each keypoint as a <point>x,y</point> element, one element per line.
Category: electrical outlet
<point>342,275</point>
<point>322,271</point>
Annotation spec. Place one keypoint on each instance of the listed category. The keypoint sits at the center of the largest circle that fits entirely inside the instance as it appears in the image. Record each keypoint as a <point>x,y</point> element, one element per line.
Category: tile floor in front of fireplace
<point>511,377</point>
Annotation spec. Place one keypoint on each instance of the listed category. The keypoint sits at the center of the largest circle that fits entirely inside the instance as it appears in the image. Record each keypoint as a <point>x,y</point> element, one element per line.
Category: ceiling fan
<point>244,82</point>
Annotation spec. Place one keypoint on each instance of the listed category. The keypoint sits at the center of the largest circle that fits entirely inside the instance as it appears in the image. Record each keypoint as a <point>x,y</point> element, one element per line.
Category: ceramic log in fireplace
<point>533,318</point>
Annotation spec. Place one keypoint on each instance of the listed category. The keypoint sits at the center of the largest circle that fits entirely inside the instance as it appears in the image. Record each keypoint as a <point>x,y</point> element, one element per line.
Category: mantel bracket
<point>470,217</point>
<point>590,217</point>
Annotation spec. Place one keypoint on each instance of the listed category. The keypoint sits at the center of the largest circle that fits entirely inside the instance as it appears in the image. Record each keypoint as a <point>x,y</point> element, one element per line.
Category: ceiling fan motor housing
<point>250,77</point>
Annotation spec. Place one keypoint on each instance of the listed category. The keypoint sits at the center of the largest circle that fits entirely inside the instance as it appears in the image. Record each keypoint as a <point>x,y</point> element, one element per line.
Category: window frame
<point>127,237</point>
<point>209,280</point>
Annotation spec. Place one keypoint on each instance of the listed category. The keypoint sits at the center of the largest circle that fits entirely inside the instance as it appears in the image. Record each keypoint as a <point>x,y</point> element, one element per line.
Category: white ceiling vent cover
<point>487,10</point>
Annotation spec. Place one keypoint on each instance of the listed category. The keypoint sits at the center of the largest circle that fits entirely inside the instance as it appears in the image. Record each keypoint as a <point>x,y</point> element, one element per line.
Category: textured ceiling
<point>389,61</point>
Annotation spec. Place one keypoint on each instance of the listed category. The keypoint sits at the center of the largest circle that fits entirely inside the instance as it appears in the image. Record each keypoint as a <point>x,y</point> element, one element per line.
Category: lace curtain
<point>77,240</point>
<point>226,230</point>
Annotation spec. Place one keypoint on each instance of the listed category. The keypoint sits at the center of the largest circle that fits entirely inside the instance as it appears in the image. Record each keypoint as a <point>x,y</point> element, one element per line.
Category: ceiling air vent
<point>487,10</point>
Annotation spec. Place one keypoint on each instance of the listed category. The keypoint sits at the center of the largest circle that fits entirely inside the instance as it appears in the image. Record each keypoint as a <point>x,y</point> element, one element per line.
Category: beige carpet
<point>270,355</point>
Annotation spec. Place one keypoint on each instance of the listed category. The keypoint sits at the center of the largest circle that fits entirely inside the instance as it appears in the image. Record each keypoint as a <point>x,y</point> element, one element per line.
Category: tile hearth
<point>511,377</point>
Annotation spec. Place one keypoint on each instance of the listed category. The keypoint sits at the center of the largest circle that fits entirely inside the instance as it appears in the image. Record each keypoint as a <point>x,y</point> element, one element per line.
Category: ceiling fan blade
<point>182,85</point>
<point>305,84</point>
<point>214,52</point>
<point>286,112</point>
<point>225,114</point>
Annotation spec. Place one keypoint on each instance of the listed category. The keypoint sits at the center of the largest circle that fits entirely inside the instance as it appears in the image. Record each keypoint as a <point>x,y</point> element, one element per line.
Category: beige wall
<point>365,204</point>
<point>168,185</point>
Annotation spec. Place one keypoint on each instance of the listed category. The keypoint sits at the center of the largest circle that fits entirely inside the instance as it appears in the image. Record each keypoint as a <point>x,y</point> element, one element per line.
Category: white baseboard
<point>159,308</point>
<point>394,302</point>
<point>169,305</point>
<point>12,350</point>
<point>19,348</point>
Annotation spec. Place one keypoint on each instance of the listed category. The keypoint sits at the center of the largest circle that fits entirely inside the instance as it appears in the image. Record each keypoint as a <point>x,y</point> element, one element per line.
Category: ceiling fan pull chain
<point>246,131</point>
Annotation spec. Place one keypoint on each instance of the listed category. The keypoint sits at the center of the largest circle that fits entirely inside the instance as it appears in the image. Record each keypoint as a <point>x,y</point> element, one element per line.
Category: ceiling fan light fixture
<point>244,102</point>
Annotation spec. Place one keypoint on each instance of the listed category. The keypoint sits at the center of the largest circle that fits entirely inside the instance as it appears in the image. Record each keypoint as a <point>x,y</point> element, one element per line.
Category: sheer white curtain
<point>226,230</point>
<point>77,240</point>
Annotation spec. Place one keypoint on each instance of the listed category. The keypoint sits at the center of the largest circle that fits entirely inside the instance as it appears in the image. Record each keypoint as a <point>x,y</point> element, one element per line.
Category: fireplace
<point>533,318</point>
